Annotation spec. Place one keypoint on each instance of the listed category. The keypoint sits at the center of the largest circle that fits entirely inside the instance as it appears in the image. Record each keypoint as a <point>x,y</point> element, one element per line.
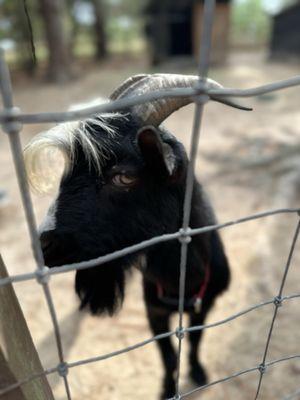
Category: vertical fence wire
<point>13,130</point>
<point>11,121</point>
<point>277,304</point>
<point>204,53</point>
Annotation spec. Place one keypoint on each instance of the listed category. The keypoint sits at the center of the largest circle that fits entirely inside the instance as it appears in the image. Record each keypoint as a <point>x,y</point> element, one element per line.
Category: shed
<point>285,36</point>
<point>173,29</point>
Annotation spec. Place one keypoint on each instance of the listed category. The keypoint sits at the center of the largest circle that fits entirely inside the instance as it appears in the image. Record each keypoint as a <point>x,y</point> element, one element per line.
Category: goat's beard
<point>101,289</point>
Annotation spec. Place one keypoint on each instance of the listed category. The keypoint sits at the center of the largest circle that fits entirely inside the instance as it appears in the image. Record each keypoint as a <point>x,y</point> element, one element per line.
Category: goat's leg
<point>159,323</point>
<point>197,372</point>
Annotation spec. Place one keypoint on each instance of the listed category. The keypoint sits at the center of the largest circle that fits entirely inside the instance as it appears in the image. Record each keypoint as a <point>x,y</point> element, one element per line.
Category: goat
<point>124,182</point>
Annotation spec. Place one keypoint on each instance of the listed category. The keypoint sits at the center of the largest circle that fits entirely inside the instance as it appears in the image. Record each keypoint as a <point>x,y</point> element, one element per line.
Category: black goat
<point>124,183</point>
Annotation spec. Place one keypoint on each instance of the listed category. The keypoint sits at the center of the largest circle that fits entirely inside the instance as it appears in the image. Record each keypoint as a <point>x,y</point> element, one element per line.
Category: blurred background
<point>56,39</point>
<point>63,52</point>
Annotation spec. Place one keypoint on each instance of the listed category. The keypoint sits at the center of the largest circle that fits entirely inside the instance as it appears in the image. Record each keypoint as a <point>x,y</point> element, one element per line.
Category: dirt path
<point>232,143</point>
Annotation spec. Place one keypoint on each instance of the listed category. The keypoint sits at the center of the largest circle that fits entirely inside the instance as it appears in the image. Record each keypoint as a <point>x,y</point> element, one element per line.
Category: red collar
<point>196,300</point>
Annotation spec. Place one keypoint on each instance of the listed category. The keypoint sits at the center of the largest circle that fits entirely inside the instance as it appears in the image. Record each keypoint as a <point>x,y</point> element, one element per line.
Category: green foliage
<point>125,25</point>
<point>131,8</point>
<point>250,23</point>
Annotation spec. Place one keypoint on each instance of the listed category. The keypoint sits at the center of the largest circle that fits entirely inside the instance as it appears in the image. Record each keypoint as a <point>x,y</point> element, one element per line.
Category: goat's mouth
<point>56,258</point>
<point>56,255</point>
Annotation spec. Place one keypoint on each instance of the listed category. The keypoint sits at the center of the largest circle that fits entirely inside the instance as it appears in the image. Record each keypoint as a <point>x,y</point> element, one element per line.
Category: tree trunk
<point>26,42</point>
<point>59,68</point>
<point>20,15</point>
<point>99,30</point>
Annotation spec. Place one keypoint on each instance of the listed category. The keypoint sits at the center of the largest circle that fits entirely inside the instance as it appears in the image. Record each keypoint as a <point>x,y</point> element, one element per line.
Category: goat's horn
<point>120,90</point>
<point>155,112</point>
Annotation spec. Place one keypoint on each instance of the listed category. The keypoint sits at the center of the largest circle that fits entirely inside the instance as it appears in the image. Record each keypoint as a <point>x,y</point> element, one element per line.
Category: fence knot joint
<point>177,397</point>
<point>10,125</point>
<point>63,369</point>
<point>185,235</point>
<point>179,333</point>
<point>278,301</point>
<point>42,275</point>
<point>262,368</point>
<point>202,99</point>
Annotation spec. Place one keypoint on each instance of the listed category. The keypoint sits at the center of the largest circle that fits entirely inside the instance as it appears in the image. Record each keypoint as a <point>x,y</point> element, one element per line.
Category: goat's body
<point>163,270</point>
<point>138,193</point>
<point>164,259</point>
<point>159,273</point>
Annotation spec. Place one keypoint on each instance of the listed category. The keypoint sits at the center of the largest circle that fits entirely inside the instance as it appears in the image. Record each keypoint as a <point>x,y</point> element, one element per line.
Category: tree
<point>250,23</point>
<point>99,29</point>
<point>59,66</point>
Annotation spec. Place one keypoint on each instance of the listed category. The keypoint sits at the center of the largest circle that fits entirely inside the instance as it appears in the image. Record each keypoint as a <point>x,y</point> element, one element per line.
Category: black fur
<point>95,217</point>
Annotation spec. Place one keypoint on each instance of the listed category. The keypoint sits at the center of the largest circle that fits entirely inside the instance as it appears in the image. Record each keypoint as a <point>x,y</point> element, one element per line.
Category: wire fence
<point>11,119</point>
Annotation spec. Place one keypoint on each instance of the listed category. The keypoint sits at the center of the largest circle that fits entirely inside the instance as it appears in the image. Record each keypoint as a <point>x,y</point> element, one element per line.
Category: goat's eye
<point>123,180</point>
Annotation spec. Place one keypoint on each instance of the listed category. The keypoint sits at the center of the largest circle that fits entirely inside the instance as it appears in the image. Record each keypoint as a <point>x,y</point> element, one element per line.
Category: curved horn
<point>155,112</point>
<point>125,85</point>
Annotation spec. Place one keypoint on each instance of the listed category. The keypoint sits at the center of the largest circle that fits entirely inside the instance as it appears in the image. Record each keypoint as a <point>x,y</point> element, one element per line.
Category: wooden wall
<point>220,38</point>
<point>285,38</point>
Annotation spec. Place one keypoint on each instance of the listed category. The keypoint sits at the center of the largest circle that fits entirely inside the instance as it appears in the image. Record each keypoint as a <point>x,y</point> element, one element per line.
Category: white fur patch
<point>40,152</point>
<point>169,157</point>
<point>49,222</point>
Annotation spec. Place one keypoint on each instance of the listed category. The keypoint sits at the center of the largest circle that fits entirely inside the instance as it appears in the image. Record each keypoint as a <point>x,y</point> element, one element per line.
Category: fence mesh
<point>11,119</point>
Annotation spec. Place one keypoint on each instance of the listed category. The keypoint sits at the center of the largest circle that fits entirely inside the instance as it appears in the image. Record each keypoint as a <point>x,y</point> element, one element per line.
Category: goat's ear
<point>158,155</point>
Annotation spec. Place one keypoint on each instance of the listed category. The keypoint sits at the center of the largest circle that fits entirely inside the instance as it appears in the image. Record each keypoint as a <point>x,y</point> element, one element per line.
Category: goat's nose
<point>56,246</point>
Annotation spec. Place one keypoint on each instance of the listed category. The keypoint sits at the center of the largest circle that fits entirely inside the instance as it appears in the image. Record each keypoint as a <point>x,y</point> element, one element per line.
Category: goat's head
<point>124,183</point>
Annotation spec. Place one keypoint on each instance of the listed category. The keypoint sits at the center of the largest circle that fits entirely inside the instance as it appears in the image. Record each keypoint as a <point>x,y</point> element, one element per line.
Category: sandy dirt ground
<point>248,162</point>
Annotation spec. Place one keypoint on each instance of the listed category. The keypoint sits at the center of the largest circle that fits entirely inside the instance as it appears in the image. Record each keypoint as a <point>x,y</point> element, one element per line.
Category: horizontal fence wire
<point>8,116</point>
<point>277,305</point>
<point>46,272</point>
<point>242,372</point>
<point>156,338</point>
<point>12,119</point>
